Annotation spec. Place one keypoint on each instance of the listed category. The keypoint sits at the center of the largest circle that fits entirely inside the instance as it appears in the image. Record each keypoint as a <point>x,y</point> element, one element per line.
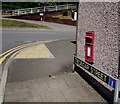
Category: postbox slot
<point>89,33</point>
<point>88,40</point>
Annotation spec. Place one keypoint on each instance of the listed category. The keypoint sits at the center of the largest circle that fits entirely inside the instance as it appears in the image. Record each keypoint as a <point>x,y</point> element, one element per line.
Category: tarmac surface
<point>49,77</point>
<point>31,68</point>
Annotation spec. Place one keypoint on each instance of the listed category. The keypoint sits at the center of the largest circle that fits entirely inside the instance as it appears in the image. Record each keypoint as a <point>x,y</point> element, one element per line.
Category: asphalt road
<point>63,50</point>
<point>12,37</point>
<point>28,69</point>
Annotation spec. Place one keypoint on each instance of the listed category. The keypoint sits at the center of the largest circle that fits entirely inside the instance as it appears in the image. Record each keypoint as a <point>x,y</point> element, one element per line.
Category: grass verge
<point>13,23</point>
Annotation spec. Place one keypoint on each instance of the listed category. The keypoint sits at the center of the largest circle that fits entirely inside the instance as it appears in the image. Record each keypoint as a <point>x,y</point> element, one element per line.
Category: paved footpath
<point>67,87</point>
<point>43,73</point>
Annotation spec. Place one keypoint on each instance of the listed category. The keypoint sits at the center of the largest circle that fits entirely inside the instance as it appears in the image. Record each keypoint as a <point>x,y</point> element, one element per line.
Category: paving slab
<point>52,89</point>
<point>57,85</point>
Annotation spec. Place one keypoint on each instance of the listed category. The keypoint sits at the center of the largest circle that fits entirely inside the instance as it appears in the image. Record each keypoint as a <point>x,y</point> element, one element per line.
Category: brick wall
<point>102,18</point>
<point>47,17</point>
<point>61,21</point>
<point>52,13</point>
<point>28,17</point>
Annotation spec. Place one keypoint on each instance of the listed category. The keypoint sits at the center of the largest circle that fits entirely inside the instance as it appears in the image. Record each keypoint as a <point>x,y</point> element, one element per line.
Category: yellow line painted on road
<point>47,41</point>
<point>2,59</point>
<point>16,48</point>
<point>12,50</point>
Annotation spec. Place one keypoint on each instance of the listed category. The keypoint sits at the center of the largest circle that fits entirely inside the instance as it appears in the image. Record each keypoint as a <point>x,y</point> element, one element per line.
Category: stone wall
<point>102,18</point>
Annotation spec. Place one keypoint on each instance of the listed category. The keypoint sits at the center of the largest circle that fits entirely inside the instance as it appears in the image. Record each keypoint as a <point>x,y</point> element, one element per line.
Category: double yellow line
<point>12,50</point>
<point>9,52</point>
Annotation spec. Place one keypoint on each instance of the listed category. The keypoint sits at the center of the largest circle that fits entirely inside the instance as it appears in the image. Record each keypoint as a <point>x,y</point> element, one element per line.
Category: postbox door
<point>89,53</point>
<point>89,47</point>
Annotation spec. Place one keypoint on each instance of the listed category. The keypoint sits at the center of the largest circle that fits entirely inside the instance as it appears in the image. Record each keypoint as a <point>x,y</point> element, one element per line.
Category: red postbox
<point>89,47</point>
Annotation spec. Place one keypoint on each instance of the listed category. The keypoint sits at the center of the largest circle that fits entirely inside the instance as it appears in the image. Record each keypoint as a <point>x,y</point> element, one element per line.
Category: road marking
<point>2,59</point>
<point>12,50</point>
<point>37,51</point>
<point>15,48</point>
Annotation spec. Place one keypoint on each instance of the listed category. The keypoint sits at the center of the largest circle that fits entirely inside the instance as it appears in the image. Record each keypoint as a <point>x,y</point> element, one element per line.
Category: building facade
<point>101,18</point>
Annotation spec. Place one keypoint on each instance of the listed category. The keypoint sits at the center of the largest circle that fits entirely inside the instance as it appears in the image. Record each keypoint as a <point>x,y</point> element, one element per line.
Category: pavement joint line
<point>20,47</point>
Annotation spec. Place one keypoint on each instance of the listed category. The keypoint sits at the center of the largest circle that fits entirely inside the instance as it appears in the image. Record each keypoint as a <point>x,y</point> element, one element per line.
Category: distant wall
<point>61,21</point>
<point>47,17</point>
<point>35,17</point>
<point>53,13</point>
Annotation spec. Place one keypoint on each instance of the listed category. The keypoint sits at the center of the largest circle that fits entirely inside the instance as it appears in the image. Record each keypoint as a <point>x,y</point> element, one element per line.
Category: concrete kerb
<point>5,71</point>
<point>4,77</point>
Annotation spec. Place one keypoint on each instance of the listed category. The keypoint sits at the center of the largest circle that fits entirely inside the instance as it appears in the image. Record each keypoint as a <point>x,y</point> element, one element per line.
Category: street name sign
<point>96,72</point>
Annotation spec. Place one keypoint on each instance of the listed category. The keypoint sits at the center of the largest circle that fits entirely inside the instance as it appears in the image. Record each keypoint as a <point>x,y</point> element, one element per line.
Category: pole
<point>44,8</point>
<point>73,64</point>
<point>31,10</point>
<point>67,6</point>
<point>116,92</point>
<point>56,7</point>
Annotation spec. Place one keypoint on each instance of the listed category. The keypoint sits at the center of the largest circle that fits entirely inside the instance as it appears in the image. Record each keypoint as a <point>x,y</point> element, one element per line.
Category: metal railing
<point>43,9</point>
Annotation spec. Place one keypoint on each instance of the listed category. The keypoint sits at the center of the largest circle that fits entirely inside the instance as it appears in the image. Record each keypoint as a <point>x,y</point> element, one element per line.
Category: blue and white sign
<point>112,82</point>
